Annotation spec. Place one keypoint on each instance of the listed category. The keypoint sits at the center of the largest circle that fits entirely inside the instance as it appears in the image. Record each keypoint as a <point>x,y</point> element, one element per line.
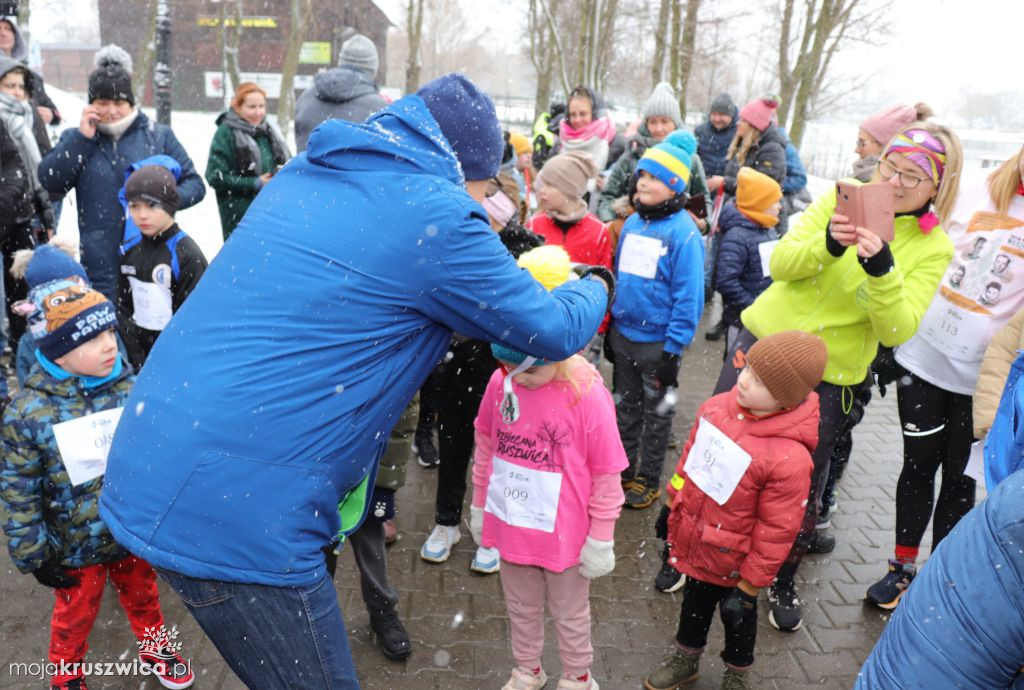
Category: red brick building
<point>196,53</point>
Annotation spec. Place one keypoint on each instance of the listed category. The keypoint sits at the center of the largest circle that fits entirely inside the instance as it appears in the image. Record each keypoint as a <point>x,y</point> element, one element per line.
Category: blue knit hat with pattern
<point>468,121</point>
<point>67,314</point>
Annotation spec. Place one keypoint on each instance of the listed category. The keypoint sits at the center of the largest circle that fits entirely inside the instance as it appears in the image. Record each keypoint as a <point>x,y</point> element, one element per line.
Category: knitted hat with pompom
<point>670,160</point>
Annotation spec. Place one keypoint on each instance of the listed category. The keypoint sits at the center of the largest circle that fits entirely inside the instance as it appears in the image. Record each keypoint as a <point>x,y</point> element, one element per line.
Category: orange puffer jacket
<point>750,535</point>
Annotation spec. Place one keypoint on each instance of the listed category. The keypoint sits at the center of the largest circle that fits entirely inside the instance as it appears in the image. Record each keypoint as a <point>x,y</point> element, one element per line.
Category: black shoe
<point>821,542</point>
<point>887,592</point>
<point>668,578</point>
<point>785,614</point>
<point>642,493</point>
<point>426,452</point>
<point>716,332</point>
<point>391,636</point>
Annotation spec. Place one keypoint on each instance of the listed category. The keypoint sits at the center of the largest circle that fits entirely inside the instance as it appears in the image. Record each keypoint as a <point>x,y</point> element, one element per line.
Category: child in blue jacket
<point>660,297</point>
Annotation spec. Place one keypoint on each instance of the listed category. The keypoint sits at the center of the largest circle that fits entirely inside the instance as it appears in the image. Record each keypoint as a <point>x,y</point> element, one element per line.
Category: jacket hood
<point>20,50</point>
<point>8,63</point>
<point>402,138</point>
<point>773,134</point>
<point>799,424</point>
<point>343,84</point>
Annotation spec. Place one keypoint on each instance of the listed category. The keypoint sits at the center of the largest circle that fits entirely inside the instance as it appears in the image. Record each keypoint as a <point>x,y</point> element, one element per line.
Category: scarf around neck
<point>601,128</point>
<point>664,209</point>
<point>17,117</point>
<point>116,130</point>
<point>247,149</point>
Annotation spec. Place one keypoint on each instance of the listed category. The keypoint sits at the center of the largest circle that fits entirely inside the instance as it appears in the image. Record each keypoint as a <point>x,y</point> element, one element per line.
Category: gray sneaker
<point>678,668</point>
<point>735,680</point>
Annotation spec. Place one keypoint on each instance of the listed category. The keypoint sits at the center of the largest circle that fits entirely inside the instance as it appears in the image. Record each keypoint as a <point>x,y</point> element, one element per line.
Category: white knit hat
<point>663,103</point>
<point>361,53</point>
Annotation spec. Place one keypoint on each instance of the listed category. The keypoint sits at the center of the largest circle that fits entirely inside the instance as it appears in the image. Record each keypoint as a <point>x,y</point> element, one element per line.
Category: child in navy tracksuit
<point>746,222</point>
<point>658,302</point>
<point>160,265</point>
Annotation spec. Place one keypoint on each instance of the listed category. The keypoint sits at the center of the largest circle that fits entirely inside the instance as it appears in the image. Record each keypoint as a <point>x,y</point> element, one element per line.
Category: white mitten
<point>476,523</point>
<point>597,558</point>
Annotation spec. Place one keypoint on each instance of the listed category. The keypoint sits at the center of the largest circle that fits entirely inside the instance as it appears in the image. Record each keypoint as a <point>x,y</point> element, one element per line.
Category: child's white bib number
<point>765,250</point>
<point>151,303</point>
<point>523,497</point>
<point>640,255</point>
<point>716,463</point>
<point>84,443</point>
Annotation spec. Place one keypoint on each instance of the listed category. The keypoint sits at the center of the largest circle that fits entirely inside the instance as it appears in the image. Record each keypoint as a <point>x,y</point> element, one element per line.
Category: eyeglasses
<point>887,170</point>
<point>861,143</point>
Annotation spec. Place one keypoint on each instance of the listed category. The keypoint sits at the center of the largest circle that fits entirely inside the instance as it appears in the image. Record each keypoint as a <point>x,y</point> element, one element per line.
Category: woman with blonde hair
<point>245,153</point>
<point>938,369</point>
<point>847,285</point>
<point>758,144</point>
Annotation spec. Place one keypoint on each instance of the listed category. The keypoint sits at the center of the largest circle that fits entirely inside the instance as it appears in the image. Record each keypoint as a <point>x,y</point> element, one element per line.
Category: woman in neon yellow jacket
<point>855,291</point>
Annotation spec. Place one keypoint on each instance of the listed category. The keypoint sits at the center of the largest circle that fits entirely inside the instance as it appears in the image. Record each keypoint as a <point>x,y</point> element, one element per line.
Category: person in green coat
<point>245,153</point>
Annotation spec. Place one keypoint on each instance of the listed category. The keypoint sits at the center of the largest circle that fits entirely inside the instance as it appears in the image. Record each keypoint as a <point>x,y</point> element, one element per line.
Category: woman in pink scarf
<point>586,127</point>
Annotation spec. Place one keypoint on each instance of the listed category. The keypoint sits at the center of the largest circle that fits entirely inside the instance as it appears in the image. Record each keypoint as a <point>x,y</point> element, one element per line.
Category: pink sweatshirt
<point>552,477</point>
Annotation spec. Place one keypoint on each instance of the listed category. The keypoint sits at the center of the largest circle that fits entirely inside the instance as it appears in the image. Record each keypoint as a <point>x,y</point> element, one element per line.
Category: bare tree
<point>300,13</point>
<point>541,40</point>
<point>660,30</point>
<point>414,30</point>
<point>145,53</point>
<point>231,38</point>
<point>686,51</point>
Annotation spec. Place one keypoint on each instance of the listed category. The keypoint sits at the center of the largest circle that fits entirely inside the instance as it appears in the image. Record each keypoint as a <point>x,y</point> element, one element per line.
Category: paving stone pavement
<point>457,619</point>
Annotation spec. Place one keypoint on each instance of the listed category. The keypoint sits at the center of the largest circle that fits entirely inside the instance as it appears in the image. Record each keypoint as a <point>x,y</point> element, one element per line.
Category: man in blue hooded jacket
<point>252,435</point>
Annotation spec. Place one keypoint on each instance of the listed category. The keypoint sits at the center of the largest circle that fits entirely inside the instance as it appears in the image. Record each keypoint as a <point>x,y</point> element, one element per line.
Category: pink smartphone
<point>868,206</point>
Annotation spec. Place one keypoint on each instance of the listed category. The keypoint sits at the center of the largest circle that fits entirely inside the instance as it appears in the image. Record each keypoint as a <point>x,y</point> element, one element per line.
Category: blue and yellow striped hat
<point>669,161</point>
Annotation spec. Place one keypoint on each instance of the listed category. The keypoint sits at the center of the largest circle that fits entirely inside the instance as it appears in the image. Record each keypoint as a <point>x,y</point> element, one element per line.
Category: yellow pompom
<point>549,264</point>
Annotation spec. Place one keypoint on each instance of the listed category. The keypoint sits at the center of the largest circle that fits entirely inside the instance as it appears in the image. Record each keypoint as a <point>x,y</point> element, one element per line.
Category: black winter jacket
<point>738,274</point>
<point>768,155</point>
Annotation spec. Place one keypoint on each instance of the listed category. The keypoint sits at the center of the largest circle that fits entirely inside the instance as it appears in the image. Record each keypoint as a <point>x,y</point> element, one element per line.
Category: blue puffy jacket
<point>95,169</point>
<point>1004,445</point>
<point>738,274</point>
<point>796,175</point>
<point>666,306</point>
<point>961,623</point>
<point>269,396</point>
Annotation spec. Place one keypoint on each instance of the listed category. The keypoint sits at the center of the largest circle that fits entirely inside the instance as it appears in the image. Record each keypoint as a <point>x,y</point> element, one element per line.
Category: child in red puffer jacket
<point>737,499</point>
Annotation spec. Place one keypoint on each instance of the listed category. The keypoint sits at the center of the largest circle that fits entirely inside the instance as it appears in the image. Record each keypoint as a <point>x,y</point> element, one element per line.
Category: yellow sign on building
<point>315,53</point>
<point>247,22</point>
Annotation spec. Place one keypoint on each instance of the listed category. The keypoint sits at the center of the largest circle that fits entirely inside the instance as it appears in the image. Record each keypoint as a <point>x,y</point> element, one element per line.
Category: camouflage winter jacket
<point>44,515</point>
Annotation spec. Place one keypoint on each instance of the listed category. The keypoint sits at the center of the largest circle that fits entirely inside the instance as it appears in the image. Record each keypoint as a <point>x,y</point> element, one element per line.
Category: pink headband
<point>923,149</point>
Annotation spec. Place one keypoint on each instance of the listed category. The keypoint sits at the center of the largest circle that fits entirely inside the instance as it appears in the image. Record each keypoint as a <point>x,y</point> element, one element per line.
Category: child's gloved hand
<point>667,373</point>
<point>737,607</point>
<point>476,523</point>
<point>51,574</point>
<point>661,524</point>
<point>597,558</point>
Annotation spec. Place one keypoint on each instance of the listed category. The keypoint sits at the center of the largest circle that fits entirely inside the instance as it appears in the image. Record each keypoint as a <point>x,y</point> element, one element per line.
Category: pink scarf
<point>601,128</point>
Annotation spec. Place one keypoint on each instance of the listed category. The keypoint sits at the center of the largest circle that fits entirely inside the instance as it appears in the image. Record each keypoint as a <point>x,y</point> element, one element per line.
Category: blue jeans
<point>273,637</point>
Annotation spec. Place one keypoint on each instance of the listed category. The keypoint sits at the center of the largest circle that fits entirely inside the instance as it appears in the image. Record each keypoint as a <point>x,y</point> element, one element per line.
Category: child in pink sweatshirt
<point>546,494</point>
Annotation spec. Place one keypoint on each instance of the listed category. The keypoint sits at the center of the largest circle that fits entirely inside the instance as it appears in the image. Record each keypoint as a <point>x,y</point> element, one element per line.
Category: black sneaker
<point>642,494</point>
<point>716,332</point>
<point>887,592</point>
<point>391,636</point>
<point>668,579</point>
<point>821,542</point>
<point>426,452</point>
<point>785,613</point>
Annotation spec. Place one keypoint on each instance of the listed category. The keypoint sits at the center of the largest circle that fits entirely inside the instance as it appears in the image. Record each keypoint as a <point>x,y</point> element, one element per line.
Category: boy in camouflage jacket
<point>50,501</point>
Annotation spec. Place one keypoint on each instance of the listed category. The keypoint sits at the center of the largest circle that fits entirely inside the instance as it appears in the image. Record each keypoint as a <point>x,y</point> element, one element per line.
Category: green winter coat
<point>617,184</point>
<point>836,300</point>
<point>234,191</point>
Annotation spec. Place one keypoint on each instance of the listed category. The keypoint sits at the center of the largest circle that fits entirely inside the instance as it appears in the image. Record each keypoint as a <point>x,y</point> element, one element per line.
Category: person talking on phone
<point>245,153</point>
<point>846,284</point>
<point>93,159</point>
<point>941,368</point>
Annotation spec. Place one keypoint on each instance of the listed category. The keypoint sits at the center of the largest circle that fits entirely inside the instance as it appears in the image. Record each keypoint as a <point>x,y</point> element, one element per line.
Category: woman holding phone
<point>245,153</point>
<point>938,368</point>
<point>846,284</point>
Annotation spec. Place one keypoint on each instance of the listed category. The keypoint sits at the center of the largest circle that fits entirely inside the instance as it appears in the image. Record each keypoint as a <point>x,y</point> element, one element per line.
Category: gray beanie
<point>663,103</point>
<point>361,53</point>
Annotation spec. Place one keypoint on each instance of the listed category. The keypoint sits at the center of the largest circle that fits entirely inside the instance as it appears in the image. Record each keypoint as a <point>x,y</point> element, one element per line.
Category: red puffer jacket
<point>750,535</point>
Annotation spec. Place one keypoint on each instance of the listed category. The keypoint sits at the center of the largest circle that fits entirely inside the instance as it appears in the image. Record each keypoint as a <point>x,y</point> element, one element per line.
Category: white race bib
<point>523,497</point>
<point>84,443</point>
<point>975,468</point>
<point>640,255</point>
<point>716,463</point>
<point>956,332</point>
<point>765,249</point>
<point>152,304</point>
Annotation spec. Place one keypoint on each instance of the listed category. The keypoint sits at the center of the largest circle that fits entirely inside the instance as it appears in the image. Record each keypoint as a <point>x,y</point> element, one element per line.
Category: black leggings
<point>700,599</point>
<point>937,433</point>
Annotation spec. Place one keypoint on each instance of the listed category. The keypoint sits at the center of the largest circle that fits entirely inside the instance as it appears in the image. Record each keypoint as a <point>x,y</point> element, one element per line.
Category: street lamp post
<point>162,70</point>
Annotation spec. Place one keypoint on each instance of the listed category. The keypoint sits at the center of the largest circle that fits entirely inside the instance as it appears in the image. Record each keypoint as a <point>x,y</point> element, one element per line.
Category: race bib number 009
<point>523,497</point>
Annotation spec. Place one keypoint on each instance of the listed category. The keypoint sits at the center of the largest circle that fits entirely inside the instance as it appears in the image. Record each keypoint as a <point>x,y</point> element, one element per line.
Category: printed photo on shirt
<point>991,294</point>
<point>976,249</point>
<point>1001,268</point>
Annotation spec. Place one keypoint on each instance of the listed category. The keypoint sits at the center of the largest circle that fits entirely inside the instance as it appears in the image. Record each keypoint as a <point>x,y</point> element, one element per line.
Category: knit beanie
<point>663,103</point>
<point>790,364</point>
<point>886,123</point>
<point>759,112</point>
<point>723,104</point>
<point>569,173</point>
<point>670,160</point>
<point>48,262</point>
<point>755,194</point>
<point>468,121</point>
<point>520,143</point>
<point>67,314</point>
<point>155,185</point>
<point>360,52</point>
<point>112,78</point>
<point>550,265</point>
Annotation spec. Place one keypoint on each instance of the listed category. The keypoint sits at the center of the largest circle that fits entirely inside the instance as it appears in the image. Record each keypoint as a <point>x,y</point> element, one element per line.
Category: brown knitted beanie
<point>790,364</point>
<point>569,173</point>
